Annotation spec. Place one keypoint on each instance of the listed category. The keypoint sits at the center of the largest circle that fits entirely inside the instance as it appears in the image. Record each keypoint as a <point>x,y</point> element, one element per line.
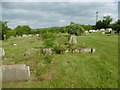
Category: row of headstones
<point>30,35</point>
<point>111,33</point>
<point>85,50</point>
<point>101,30</point>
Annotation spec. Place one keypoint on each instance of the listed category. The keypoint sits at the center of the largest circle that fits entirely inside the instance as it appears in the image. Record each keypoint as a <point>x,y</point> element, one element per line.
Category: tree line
<point>72,28</point>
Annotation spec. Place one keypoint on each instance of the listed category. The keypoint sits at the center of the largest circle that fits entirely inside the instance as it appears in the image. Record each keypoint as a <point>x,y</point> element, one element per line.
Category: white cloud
<point>60,0</point>
<point>62,21</point>
<point>38,15</point>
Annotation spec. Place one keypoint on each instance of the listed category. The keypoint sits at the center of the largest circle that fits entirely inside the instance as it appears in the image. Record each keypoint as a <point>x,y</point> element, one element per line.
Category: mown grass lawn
<point>69,70</point>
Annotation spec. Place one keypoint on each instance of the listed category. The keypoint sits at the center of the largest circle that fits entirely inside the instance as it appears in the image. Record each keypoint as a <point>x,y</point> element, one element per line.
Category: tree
<point>104,23</point>
<point>20,30</point>
<point>116,26</point>
<point>3,28</point>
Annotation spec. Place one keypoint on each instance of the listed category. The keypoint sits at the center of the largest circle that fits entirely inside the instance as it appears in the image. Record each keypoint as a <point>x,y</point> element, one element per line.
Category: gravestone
<point>2,52</point>
<point>119,32</point>
<point>86,50</point>
<point>86,32</point>
<point>93,50</point>
<point>103,32</point>
<point>112,33</point>
<point>47,51</point>
<point>73,39</point>
<point>19,72</point>
<point>76,51</point>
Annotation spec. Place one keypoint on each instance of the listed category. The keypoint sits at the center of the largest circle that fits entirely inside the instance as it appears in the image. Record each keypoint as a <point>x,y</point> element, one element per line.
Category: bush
<point>48,59</point>
<point>59,49</point>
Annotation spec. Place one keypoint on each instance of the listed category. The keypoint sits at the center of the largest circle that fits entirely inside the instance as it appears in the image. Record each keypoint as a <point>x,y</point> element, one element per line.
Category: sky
<point>51,13</point>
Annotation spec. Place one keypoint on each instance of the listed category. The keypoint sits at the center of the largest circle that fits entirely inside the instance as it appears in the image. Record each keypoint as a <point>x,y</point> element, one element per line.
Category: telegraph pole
<point>97,16</point>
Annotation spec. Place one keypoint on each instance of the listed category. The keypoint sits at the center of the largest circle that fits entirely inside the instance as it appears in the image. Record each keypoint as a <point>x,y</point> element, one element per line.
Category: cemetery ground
<point>68,70</point>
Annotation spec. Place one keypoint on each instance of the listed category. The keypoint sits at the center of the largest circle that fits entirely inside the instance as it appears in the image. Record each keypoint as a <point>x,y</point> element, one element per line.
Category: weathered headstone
<point>112,33</point>
<point>47,51</point>
<point>73,39</point>
<point>103,32</point>
<point>19,72</point>
<point>2,52</point>
<point>109,29</point>
<point>76,51</point>
<point>66,51</point>
<point>93,50</point>
<point>86,50</point>
<point>86,32</point>
<point>30,52</point>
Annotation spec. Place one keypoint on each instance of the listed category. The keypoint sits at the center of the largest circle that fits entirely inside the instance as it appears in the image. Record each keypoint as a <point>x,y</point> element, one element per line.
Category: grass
<point>69,70</point>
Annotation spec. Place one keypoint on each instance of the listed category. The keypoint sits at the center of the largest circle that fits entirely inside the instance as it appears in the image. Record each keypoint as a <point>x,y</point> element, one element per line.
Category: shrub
<point>48,59</point>
<point>59,49</point>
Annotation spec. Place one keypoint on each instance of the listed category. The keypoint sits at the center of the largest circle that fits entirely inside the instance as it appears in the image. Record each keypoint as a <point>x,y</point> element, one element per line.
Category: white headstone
<point>103,32</point>
<point>86,32</point>
<point>19,72</point>
<point>86,50</point>
<point>2,52</point>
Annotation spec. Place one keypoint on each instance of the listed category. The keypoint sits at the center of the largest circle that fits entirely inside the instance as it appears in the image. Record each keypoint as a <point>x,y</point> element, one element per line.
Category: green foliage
<point>48,58</point>
<point>75,29</point>
<point>88,27</point>
<point>48,44</point>
<point>116,26</point>
<point>20,30</point>
<point>59,49</point>
<point>104,23</point>
<point>48,40</point>
<point>10,33</point>
<point>3,28</point>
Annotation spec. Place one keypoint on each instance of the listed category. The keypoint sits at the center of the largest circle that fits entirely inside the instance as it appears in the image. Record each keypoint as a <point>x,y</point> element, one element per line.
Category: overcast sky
<point>48,14</point>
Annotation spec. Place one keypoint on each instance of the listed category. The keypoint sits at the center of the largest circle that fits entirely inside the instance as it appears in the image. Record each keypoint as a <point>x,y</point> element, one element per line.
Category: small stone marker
<point>76,51</point>
<point>86,50</point>
<point>2,52</point>
<point>73,39</point>
<point>93,50</point>
<point>47,51</point>
<point>103,32</point>
<point>112,33</point>
<point>86,32</point>
<point>19,72</point>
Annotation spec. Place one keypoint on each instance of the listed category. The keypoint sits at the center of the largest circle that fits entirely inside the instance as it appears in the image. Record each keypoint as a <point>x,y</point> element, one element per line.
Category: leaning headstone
<point>2,52</point>
<point>112,33</point>
<point>47,51</point>
<point>19,72</point>
<point>73,39</point>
